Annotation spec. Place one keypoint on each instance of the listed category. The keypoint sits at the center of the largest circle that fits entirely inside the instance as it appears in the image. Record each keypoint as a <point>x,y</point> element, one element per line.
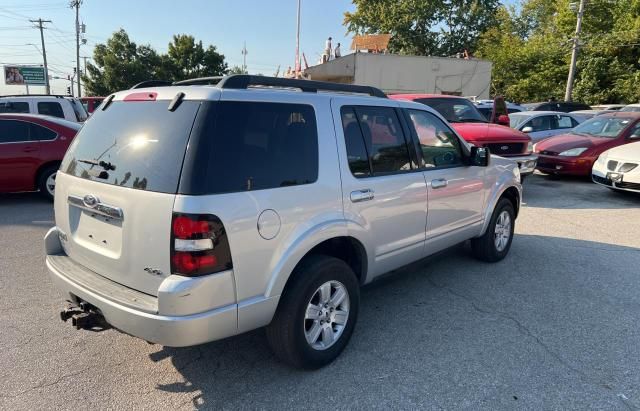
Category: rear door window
<point>14,107</point>
<point>50,108</point>
<point>13,131</point>
<point>246,146</point>
<point>375,141</point>
<point>40,133</point>
<point>138,145</point>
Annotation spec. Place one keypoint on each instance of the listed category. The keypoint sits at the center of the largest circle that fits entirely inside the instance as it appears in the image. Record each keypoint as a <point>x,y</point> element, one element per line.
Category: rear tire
<point>47,181</point>
<point>495,243</point>
<point>316,314</point>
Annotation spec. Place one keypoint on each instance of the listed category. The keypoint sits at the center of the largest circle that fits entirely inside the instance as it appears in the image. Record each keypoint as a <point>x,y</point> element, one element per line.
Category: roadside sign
<point>21,75</point>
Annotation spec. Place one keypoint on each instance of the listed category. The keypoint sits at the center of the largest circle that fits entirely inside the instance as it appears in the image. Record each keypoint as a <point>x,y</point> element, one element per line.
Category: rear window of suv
<point>245,146</point>
<point>138,145</point>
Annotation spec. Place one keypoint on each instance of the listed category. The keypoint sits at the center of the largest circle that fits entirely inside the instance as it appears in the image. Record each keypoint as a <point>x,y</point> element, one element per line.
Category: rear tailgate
<point>116,188</point>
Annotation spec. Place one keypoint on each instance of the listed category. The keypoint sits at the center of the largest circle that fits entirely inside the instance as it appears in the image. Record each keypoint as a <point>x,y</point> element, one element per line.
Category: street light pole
<point>297,66</point>
<point>47,89</point>
<point>574,53</point>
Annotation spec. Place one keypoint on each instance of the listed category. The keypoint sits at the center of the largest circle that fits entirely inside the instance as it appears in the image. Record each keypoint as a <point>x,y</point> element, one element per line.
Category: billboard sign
<point>21,75</point>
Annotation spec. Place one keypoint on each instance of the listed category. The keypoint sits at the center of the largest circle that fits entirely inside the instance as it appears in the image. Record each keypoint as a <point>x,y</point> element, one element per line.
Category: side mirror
<point>503,120</point>
<point>479,156</point>
<point>527,129</point>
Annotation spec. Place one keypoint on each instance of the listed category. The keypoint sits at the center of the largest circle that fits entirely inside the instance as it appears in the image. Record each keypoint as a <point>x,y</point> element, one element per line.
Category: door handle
<point>439,183</point>
<point>29,149</point>
<point>361,195</point>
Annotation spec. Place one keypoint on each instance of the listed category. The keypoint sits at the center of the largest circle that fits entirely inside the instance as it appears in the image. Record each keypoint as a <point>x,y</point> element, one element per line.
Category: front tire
<point>317,313</point>
<point>47,182</point>
<point>495,243</point>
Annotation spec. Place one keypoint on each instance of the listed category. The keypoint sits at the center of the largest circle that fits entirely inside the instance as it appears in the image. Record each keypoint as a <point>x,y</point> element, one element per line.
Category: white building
<point>408,74</point>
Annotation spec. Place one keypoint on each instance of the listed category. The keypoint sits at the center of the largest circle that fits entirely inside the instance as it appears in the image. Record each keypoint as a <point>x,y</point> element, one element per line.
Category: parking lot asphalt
<point>553,326</point>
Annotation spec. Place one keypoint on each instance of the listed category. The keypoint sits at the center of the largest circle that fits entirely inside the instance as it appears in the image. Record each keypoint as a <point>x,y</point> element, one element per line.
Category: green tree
<point>190,59</point>
<point>424,27</point>
<point>237,70</point>
<point>120,63</point>
<point>530,50</point>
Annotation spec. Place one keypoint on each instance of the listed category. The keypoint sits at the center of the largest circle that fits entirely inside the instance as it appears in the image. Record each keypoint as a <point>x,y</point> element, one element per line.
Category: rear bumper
<point>527,164</point>
<point>136,313</point>
<point>565,165</point>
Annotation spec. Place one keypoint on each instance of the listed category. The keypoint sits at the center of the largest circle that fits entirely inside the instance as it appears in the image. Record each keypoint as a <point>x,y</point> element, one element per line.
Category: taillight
<point>199,245</point>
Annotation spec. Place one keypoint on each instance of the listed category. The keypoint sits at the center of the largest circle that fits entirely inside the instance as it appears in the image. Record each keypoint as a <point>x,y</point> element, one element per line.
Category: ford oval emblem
<point>90,200</point>
<point>503,148</point>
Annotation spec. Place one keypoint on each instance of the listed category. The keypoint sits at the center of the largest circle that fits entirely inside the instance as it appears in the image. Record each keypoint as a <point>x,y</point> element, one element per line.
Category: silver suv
<point>190,213</point>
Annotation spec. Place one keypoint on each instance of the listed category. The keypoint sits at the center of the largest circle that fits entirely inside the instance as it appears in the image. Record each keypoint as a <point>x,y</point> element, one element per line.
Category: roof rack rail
<point>37,95</point>
<point>244,81</point>
<point>151,83</point>
<point>200,81</point>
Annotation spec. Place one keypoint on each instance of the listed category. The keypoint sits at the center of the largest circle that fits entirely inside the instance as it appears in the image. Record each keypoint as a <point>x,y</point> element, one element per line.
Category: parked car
<point>475,129</point>
<point>543,124</point>
<point>618,168</point>
<point>208,211</point>
<point>563,106</point>
<point>486,108</point>
<point>631,107</point>
<point>66,107</point>
<point>91,103</point>
<point>584,115</point>
<point>31,149</point>
<point>575,152</point>
<point>608,107</point>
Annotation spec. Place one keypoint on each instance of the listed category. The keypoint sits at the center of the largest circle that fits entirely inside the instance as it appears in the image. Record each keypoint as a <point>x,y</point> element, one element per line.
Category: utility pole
<point>574,52</point>
<point>85,63</point>
<point>76,4</point>
<point>47,89</point>
<point>297,66</point>
<point>244,58</point>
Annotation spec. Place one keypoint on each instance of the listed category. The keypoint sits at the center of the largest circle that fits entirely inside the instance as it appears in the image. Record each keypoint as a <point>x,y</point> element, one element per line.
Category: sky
<point>268,27</point>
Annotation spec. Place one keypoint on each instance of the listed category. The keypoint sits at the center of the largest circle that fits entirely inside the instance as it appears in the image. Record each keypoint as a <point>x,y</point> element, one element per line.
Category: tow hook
<point>83,315</point>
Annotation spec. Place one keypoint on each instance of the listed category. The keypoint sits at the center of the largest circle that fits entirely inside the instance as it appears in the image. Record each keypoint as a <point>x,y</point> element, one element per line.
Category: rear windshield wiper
<point>104,164</point>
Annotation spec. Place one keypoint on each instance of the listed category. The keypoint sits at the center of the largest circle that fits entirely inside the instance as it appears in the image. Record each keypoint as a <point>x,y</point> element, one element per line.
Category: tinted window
<point>356,150</point>
<point>137,145</point>
<point>439,145</point>
<point>12,131</point>
<point>49,108</point>
<point>16,107</point>
<point>565,122</point>
<point>254,146</point>
<point>42,133</point>
<point>454,110</point>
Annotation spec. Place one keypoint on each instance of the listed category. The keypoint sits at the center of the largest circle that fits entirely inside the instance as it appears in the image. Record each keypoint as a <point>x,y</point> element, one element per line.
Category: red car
<point>31,149</point>
<point>575,152</point>
<point>91,103</point>
<point>467,120</point>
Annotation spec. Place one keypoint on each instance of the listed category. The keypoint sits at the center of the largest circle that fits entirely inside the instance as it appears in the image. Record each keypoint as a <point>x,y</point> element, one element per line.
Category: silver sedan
<point>543,124</point>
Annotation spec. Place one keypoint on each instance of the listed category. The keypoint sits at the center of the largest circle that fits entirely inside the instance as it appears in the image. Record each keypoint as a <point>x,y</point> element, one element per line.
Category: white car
<point>619,168</point>
<point>543,124</point>
<point>66,107</point>
<point>631,107</point>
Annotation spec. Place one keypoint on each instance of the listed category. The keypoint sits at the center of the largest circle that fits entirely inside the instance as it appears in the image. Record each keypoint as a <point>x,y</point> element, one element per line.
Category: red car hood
<point>565,142</point>
<point>487,132</point>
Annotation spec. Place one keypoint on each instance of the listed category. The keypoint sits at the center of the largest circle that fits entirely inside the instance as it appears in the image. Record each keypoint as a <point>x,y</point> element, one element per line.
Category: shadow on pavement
<point>30,209</point>
<point>452,332</point>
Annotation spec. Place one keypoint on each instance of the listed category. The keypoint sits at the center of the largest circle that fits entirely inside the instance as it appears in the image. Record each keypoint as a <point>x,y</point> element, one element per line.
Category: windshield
<point>606,127</point>
<point>137,145</point>
<point>515,120</point>
<point>454,110</point>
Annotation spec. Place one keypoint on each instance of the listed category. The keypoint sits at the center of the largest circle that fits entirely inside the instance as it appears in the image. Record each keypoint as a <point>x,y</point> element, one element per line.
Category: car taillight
<point>199,245</point>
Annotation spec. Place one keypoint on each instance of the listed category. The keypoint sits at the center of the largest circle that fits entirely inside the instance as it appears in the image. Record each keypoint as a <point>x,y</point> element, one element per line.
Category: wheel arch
<point>42,168</point>
<point>512,193</point>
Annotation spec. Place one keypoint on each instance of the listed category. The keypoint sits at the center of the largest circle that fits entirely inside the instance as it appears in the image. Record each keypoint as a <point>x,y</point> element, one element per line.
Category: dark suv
<point>564,106</point>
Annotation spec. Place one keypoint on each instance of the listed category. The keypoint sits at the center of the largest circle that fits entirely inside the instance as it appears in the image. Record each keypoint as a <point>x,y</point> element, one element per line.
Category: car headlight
<point>530,147</point>
<point>602,159</point>
<point>574,152</point>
